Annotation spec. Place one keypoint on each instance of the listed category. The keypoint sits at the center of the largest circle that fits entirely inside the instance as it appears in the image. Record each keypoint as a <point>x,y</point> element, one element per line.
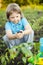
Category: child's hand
<point>20,34</point>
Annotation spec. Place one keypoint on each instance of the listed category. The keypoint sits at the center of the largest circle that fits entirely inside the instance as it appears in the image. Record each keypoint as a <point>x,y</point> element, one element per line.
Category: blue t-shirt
<point>16,27</point>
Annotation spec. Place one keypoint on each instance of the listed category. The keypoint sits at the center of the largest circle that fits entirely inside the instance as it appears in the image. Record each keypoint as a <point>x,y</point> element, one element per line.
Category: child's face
<point>15,17</point>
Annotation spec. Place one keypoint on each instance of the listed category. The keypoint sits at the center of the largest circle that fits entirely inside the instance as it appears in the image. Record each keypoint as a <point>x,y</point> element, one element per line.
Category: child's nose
<point>15,18</point>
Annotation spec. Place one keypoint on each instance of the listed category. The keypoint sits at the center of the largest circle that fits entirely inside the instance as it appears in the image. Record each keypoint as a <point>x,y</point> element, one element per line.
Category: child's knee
<point>5,38</point>
<point>26,38</point>
<point>31,37</point>
<point>32,32</point>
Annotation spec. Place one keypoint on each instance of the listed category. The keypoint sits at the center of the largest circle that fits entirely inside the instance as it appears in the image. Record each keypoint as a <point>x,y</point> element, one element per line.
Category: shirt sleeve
<point>7,26</point>
<point>25,22</point>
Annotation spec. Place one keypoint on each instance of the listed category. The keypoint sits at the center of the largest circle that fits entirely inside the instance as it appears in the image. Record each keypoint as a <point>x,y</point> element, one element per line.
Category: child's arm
<point>13,36</point>
<point>19,35</point>
<point>27,27</point>
<point>10,35</point>
<point>27,30</point>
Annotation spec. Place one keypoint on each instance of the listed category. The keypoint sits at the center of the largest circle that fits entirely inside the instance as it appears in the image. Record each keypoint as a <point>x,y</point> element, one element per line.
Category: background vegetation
<point>22,2</point>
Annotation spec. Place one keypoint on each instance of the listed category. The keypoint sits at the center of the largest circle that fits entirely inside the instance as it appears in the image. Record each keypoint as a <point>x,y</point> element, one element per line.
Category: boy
<point>17,28</point>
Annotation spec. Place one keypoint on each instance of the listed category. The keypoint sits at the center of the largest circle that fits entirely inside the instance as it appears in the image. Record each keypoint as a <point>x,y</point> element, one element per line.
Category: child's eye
<point>16,16</point>
<point>12,17</point>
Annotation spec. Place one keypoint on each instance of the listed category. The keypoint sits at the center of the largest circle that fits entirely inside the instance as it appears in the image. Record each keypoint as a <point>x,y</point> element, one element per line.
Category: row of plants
<point>20,55</point>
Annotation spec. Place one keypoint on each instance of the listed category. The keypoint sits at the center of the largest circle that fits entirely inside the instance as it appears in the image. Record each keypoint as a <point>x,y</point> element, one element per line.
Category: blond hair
<point>13,7</point>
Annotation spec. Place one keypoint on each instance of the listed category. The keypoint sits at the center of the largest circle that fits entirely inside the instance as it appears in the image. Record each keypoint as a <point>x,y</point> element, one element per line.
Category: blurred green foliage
<point>22,2</point>
<point>2,17</point>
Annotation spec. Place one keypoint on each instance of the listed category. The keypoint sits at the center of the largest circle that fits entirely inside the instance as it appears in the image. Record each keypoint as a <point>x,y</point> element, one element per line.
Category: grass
<point>2,17</point>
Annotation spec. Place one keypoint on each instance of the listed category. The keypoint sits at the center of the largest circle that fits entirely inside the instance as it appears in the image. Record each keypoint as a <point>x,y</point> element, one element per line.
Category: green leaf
<point>26,52</point>
<point>31,59</point>
<point>7,57</point>
<point>24,59</point>
<point>3,61</point>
